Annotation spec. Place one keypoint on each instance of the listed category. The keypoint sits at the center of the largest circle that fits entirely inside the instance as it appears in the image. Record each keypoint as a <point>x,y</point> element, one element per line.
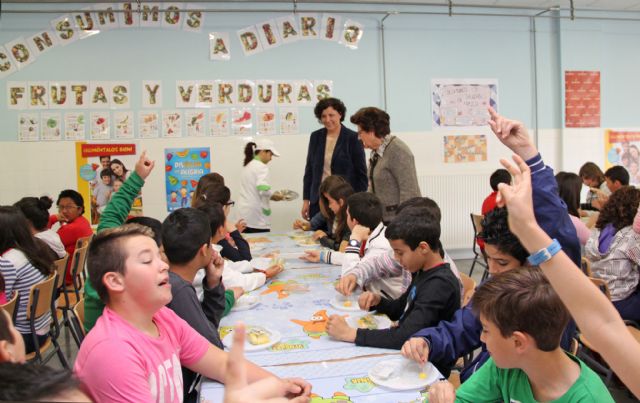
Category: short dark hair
<point>152,223</point>
<point>422,202</point>
<point>104,156</point>
<point>523,300</point>
<point>73,195</point>
<point>334,103</point>
<point>184,232</point>
<point>107,254</point>
<point>495,231</point>
<point>30,382</point>
<point>366,208</point>
<point>499,176</point>
<point>215,216</point>
<point>414,225</point>
<point>106,172</point>
<point>36,210</point>
<point>618,173</point>
<point>374,120</point>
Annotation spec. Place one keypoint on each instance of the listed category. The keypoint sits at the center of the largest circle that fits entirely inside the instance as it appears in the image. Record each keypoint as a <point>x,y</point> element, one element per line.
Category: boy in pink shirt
<point>135,350</point>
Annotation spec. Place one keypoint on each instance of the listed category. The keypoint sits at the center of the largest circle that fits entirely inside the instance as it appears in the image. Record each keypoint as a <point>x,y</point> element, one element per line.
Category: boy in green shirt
<point>522,321</point>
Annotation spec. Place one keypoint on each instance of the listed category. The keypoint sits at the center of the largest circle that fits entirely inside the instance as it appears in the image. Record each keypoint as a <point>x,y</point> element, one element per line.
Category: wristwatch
<point>354,242</point>
<point>544,254</point>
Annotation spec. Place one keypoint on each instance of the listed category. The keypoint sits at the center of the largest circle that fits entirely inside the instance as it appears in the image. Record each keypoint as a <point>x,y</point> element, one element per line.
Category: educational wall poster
<point>462,102</point>
<point>148,125</point>
<point>465,148</point>
<point>123,122</point>
<point>266,121</point>
<point>100,128</point>
<point>51,124</point>
<point>195,122</point>
<point>74,126</point>
<point>183,168</point>
<point>102,169</point>
<point>28,127</point>
<point>623,148</point>
<point>219,122</point>
<point>582,98</point>
<point>241,121</point>
<point>288,120</point>
<point>171,124</point>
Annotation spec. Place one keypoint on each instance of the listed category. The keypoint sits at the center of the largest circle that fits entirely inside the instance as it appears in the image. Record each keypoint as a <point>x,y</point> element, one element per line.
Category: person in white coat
<point>256,191</point>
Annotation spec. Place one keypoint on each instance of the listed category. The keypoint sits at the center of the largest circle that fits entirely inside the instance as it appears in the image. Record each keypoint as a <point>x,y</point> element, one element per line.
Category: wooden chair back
<point>468,288</point>
<point>83,241</point>
<point>77,267</point>
<point>41,295</point>
<point>602,286</point>
<point>10,306</point>
<point>78,319</point>
<point>585,265</point>
<point>476,220</point>
<point>60,267</point>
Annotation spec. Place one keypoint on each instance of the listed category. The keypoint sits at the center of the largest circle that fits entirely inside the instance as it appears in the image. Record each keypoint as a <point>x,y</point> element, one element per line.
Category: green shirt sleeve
<point>114,215</point>
<point>229,301</point>
<point>482,386</point>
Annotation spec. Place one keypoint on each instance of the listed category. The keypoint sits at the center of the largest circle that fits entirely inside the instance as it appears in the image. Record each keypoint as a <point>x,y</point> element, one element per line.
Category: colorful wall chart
<point>465,148</point>
<point>623,148</point>
<point>582,98</point>
<point>462,102</point>
<point>183,168</point>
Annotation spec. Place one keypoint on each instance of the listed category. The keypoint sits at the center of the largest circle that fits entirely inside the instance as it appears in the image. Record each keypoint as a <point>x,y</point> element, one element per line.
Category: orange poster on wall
<point>582,98</point>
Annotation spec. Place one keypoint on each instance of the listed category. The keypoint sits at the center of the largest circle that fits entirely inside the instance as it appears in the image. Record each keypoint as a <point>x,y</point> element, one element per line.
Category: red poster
<point>582,98</point>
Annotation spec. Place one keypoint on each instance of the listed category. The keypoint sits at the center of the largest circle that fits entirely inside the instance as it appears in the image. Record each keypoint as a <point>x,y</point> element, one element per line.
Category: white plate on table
<point>261,263</point>
<point>343,303</point>
<point>369,321</point>
<point>273,337</point>
<point>307,242</point>
<point>402,374</point>
<point>246,302</point>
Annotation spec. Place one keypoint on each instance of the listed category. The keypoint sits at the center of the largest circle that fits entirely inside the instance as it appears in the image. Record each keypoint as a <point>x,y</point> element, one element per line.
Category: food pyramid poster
<point>183,168</point>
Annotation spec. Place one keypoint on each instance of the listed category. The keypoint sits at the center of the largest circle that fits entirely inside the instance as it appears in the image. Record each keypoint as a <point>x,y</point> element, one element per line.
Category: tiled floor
<point>69,346</point>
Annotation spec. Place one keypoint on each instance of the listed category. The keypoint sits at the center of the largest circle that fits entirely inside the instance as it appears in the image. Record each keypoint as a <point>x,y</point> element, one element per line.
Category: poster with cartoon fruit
<point>219,122</point>
<point>51,124</point>
<point>241,121</point>
<point>195,123</point>
<point>74,126</point>
<point>266,121</point>
<point>289,121</point>
<point>148,125</point>
<point>100,126</point>
<point>171,124</point>
<point>183,168</point>
<point>28,127</point>
<point>124,125</point>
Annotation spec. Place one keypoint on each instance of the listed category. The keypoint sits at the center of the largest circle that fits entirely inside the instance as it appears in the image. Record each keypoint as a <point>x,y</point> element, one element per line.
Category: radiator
<point>458,196</point>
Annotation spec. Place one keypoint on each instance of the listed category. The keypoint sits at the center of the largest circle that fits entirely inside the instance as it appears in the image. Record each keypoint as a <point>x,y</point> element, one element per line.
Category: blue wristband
<point>541,256</point>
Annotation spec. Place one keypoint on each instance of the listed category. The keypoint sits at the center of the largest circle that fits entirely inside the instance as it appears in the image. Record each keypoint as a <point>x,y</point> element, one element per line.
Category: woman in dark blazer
<point>333,150</point>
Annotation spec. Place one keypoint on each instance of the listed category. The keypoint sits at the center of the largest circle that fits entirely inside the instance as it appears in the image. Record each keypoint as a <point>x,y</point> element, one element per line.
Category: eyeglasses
<point>63,208</point>
<point>230,203</point>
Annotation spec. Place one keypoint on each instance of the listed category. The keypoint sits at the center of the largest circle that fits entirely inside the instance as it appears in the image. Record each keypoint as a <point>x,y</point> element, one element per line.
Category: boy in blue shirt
<point>522,321</point>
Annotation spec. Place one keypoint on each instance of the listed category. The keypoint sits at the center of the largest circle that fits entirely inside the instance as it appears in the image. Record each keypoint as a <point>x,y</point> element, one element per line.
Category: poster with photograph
<point>462,102</point>
<point>148,125</point>
<point>28,127</point>
<point>100,129</point>
<point>465,148</point>
<point>106,166</point>
<point>51,124</point>
<point>74,126</point>
<point>623,148</point>
<point>219,122</point>
<point>171,124</point>
<point>266,121</point>
<point>241,121</point>
<point>123,123</point>
<point>582,98</point>
<point>183,168</point>
<point>195,122</point>
<point>289,120</point>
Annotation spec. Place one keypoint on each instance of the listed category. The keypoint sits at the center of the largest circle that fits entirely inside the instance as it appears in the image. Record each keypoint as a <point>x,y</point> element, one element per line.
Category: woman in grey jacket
<point>392,169</point>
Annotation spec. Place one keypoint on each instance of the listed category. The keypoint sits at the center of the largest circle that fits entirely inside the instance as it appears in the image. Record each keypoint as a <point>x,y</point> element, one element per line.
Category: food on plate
<point>367,322</point>
<point>347,303</point>
<point>258,336</point>
<point>422,375</point>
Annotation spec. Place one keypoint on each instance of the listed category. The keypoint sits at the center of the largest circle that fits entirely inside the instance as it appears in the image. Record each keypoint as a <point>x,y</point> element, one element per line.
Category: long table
<point>296,305</point>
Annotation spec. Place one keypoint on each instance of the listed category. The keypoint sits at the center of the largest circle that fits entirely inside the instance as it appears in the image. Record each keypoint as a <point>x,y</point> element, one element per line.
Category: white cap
<point>266,144</point>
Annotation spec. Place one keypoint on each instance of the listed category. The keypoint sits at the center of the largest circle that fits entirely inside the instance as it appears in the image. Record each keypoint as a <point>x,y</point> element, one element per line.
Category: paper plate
<point>246,302</point>
<point>402,374</point>
<point>287,195</point>
<point>307,242</point>
<point>369,321</point>
<point>261,263</point>
<point>343,303</point>
<point>274,337</point>
<point>299,234</point>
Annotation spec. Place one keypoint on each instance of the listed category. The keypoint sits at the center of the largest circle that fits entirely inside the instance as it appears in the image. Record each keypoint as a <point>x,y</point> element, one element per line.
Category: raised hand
<point>517,196</point>
<point>144,166</point>
<point>513,134</point>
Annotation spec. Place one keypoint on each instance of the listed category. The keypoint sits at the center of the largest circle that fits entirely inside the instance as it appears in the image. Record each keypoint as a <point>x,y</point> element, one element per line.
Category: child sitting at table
<point>137,346</point>
<point>333,207</point>
<point>434,294</point>
<point>522,320</point>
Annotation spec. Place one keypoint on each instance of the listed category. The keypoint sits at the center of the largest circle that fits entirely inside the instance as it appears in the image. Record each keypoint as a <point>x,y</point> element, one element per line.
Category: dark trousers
<point>250,230</point>
<point>629,307</point>
<point>28,341</point>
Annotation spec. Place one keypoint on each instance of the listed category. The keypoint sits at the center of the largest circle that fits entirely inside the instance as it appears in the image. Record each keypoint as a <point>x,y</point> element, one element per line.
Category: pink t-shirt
<point>119,363</point>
